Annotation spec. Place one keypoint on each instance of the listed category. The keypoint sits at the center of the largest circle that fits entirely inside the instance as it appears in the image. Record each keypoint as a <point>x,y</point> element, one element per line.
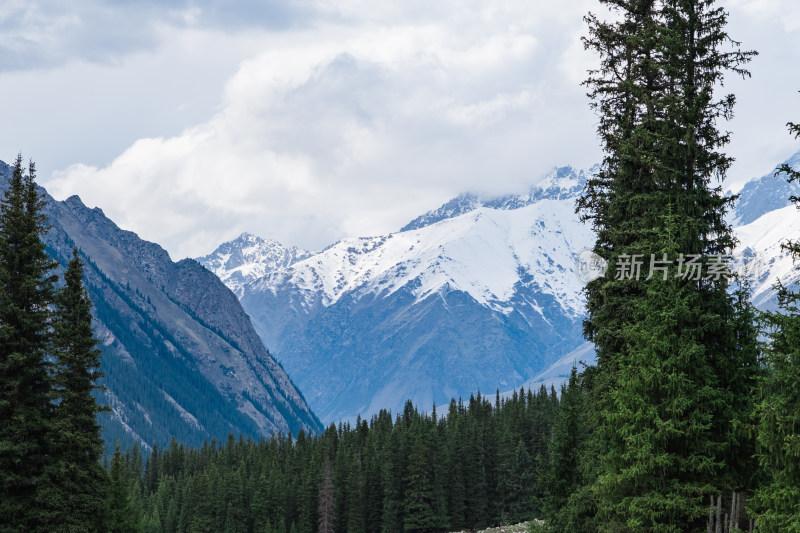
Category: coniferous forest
<point>688,422</point>
<point>485,462</point>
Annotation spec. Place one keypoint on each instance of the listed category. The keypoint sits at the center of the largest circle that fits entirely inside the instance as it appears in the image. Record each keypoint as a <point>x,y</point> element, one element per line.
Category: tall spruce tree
<point>777,503</point>
<point>562,477</point>
<point>122,514</point>
<point>424,507</point>
<point>26,291</point>
<point>76,488</point>
<point>669,361</point>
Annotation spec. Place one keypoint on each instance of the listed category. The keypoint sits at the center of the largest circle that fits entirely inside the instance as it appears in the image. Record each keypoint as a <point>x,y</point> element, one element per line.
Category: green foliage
<point>534,526</point>
<point>26,413</point>
<point>676,356</point>
<point>50,447</point>
<point>562,476</point>
<point>417,472</point>
<point>777,502</point>
<point>121,505</point>
<point>76,485</point>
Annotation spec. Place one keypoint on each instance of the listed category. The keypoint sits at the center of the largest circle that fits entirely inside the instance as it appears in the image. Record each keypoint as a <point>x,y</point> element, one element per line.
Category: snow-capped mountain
<point>475,295</point>
<point>486,253</point>
<point>764,218</point>
<point>763,195</point>
<point>561,183</point>
<point>249,257</point>
<point>761,240</point>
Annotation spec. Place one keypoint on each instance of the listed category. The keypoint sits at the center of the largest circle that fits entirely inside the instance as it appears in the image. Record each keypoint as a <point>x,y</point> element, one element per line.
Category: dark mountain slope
<point>180,355</point>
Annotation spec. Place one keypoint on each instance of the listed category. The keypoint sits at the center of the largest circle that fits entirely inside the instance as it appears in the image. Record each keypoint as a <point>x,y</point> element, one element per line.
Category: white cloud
<point>769,99</point>
<point>781,13</point>
<point>359,119</point>
<point>355,129</point>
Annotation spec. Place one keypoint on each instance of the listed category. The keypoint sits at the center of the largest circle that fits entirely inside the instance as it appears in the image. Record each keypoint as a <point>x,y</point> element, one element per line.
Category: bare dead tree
<point>327,502</point>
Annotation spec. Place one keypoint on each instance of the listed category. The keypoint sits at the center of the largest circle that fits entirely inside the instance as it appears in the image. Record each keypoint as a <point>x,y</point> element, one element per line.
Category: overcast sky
<point>190,122</point>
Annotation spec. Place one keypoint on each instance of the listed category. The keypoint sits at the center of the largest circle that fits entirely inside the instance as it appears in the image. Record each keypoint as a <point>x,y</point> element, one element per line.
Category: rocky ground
<point>516,528</point>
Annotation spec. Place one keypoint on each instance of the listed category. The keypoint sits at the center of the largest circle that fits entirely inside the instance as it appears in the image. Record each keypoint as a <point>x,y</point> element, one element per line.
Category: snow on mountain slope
<point>761,240</point>
<point>765,194</point>
<point>249,257</point>
<point>483,253</point>
<point>559,371</point>
<point>560,183</point>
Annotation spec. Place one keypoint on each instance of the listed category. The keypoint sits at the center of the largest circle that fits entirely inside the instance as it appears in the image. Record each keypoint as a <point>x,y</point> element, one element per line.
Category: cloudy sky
<point>191,121</point>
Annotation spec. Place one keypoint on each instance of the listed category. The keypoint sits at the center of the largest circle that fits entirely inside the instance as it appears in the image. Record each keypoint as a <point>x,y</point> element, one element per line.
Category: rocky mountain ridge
<point>179,353</point>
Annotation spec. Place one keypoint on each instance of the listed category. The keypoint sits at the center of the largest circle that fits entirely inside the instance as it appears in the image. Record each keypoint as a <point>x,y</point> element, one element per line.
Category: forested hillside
<point>180,356</point>
<point>485,461</point>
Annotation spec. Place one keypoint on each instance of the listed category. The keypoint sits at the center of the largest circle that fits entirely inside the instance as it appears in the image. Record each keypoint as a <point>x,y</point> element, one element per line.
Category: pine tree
<point>354,488</point>
<point>777,503</point>
<point>122,514</point>
<point>521,487</point>
<point>505,475</point>
<point>422,507</point>
<point>26,291</point>
<point>393,482</point>
<point>665,411</point>
<point>562,478</point>
<point>669,363</point>
<point>76,485</point>
<point>455,452</point>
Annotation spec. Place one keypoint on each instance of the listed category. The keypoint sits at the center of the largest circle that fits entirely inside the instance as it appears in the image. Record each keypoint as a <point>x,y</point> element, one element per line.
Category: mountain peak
<point>249,257</point>
<point>472,295</point>
<point>765,194</point>
<point>560,183</point>
<point>463,203</point>
<point>248,237</point>
<point>565,180</point>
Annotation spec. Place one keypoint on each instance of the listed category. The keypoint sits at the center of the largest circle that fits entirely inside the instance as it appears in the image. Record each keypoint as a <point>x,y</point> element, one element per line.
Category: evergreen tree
<point>455,453</point>
<point>76,489</point>
<point>669,363</point>
<point>26,291</point>
<point>562,476</point>
<point>422,509</point>
<point>664,415</point>
<point>354,488</point>
<point>393,485</point>
<point>777,503</point>
<point>505,475</point>
<point>520,489</point>
<point>373,459</point>
<point>122,514</point>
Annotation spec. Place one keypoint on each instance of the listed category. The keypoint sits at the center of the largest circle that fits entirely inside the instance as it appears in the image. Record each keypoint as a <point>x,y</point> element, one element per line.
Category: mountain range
<point>476,295</point>
<point>179,354</point>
